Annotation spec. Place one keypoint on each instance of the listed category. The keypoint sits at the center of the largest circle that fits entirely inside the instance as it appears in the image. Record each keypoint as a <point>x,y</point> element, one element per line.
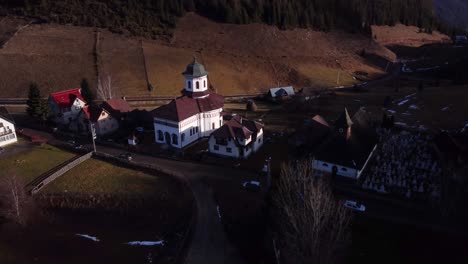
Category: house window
<point>220,122</point>
<point>175,139</point>
<point>191,131</point>
<point>182,137</point>
<point>204,84</point>
<point>196,130</point>
<point>259,140</point>
<point>189,84</point>
<point>213,125</point>
<point>160,135</point>
<point>229,150</point>
<point>216,147</point>
<point>198,85</point>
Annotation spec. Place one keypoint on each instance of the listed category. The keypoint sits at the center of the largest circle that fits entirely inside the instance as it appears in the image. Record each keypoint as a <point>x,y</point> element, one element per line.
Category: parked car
<point>353,205</point>
<point>126,156</point>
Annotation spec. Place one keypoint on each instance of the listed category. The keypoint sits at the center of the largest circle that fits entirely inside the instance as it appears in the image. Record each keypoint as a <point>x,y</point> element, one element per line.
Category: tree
<point>34,100</point>
<point>86,91</point>
<point>16,204</point>
<point>311,223</point>
<point>106,88</point>
<point>251,106</point>
<point>44,111</point>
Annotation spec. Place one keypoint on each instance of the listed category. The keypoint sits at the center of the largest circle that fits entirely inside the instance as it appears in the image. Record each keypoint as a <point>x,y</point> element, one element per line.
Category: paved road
<point>209,243</point>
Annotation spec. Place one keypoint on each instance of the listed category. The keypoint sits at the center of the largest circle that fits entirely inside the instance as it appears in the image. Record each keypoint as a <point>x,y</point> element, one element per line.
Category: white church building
<point>192,116</point>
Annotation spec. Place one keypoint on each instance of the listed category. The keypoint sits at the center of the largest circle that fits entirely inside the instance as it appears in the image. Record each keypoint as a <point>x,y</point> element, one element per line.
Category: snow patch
<point>403,102</point>
<point>256,183</point>
<point>146,243</point>
<point>219,213</point>
<point>93,238</point>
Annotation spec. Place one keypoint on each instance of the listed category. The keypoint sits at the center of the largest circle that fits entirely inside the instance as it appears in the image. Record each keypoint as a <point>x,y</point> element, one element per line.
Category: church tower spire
<point>196,78</point>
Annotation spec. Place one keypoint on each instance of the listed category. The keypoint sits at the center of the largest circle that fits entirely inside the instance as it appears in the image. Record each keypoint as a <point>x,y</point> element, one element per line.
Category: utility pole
<point>93,134</point>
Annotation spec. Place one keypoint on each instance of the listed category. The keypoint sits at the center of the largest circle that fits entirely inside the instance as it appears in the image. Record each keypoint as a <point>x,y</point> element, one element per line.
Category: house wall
<point>172,128</point>
<point>259,141</point>
<point>223,150</point>
<point>63,116</point>
<point>106,124</point>
<point>327,167</point>
<point>7,133</point>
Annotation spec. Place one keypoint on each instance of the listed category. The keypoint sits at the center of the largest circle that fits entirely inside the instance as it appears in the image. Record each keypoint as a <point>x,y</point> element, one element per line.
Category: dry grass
<point>406,36</point>
<point>240,58</point>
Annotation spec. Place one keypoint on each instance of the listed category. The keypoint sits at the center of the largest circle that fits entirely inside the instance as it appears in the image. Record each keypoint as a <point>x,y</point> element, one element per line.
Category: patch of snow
<point>219,213</point>
<point>414,107</point>
<point>146,243</point>
<point>251,183</point>
<point>403,102</point>
<point>93,238</point>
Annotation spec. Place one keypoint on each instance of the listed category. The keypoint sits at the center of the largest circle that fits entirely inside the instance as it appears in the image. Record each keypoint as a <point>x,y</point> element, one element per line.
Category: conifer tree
<point>34,101</point>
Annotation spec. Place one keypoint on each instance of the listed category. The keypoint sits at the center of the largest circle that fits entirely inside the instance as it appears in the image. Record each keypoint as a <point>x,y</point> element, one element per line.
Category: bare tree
<point>106,87</point>
<point>16,204</point>
<point>311,223</point>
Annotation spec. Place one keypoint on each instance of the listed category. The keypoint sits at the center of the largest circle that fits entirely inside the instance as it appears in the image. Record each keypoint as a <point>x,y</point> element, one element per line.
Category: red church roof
<point>65,99</point>
<point>184,107</point>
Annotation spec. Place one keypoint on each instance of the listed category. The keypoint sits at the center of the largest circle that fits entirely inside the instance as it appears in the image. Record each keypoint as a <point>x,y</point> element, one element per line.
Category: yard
<point>29,161</point>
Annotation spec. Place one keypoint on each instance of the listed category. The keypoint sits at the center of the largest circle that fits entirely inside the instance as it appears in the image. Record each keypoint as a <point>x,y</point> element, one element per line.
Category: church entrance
<point>167,137</point>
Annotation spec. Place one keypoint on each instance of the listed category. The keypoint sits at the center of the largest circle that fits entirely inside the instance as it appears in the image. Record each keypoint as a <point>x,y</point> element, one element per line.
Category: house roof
<point>238,128</point>
<point>313,133</point>
<point>184,107</point>
<point>344,121</point>
<point>319,119</point>
<point>65,99</point>
<point>195,69</point>
<point>92,112</point>
<point>117,105</point>
<point>282,91</point>
<point>5,115</point>
<point>351,151</point>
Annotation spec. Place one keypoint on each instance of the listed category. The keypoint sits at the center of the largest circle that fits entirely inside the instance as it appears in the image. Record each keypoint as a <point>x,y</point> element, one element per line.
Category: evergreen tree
<point>44,111</point>
<point>86,91</point>
<point>34,101</point>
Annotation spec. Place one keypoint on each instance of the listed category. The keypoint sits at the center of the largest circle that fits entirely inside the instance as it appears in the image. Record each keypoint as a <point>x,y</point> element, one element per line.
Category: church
<point>194,115</point>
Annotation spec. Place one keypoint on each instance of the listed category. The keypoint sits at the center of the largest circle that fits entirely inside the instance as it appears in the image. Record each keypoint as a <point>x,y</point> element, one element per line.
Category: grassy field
<point>99,177</point>
<point>31,161</point>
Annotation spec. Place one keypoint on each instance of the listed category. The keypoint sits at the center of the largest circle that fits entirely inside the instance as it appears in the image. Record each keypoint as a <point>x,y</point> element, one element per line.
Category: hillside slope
<point>240,58</point>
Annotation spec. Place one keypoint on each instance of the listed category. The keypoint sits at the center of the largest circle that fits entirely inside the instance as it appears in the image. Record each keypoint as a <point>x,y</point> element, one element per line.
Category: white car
<point>353,205</point>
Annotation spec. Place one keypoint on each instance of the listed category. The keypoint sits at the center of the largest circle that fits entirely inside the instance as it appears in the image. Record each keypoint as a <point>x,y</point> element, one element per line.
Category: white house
<point>281,93</point>
<point>192,116</point>
<point>7,131</point>
<point>104,123</point>
<point>238,138</point>
<point>348,149</point>
<point>65,106</point>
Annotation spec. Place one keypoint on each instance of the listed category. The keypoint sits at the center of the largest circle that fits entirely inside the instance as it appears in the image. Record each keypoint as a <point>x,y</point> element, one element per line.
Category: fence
<point>40,182</point>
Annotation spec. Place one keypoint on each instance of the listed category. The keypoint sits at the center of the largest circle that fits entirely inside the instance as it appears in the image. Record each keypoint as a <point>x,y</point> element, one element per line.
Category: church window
<point>182,137</point>
<point>213,125</point>
<point>344,169</point>
<point>196,130</point>
<point>229,150</point>
<point>175,139</point>
<point>198,85</point>
<point>325,165</point>
<point>220,122</point>
<point>191,132</point>
<point>204,84</point>
<point>189,84</point>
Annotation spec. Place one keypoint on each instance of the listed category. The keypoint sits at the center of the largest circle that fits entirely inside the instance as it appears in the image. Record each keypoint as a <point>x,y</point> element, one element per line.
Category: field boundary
<point>43,180</point>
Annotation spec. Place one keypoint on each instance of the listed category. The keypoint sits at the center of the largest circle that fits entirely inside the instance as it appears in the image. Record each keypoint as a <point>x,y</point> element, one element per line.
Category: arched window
<point>204,84</point>
<point>198,85</point>
<point>189,84</point>
<point>175,139</point>
<point>182,137</point>
<point>160,135</point>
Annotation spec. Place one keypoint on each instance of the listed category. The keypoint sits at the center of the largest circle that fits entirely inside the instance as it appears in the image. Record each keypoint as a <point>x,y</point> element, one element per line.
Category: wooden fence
<point>40,182</point>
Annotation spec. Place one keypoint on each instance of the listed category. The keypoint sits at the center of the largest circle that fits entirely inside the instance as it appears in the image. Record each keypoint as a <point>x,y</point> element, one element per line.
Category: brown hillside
<point>240,58</point>
<point>408,36</point>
